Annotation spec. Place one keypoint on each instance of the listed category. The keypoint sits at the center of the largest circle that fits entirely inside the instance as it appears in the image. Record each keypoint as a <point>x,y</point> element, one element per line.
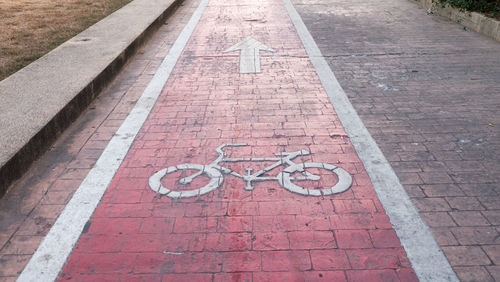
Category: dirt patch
<point>31,28</point>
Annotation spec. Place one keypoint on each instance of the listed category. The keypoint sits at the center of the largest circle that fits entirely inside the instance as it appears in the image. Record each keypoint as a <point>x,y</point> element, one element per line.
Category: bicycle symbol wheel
<point>286,180</point>
<point>215,180</point>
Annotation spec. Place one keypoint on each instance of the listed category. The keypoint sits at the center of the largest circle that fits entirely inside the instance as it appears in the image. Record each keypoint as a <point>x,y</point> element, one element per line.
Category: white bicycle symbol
<point>285,178</point>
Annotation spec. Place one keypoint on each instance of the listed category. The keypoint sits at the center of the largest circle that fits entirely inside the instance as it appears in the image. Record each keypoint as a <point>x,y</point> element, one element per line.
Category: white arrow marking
<point>250,54</point>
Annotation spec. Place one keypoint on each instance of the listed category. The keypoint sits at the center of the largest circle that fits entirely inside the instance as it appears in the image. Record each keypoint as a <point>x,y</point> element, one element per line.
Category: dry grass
<point>31,28</point>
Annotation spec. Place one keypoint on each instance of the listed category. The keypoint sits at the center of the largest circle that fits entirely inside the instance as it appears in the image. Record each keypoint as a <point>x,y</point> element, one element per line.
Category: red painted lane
<point>231,234</point>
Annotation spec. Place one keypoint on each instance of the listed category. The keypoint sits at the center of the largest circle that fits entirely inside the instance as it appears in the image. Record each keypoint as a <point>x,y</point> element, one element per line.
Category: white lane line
<point>54,250</point>
<point>424,253</point>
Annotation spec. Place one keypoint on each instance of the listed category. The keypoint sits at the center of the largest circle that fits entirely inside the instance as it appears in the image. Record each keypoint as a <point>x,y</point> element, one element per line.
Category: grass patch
<point>490,8</point>
<point>31,28</point>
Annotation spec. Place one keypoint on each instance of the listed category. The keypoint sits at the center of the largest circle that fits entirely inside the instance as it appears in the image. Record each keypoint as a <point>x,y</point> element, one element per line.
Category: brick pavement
<point>34,202</point>
<point>231,233</point>
<point>428,92</point>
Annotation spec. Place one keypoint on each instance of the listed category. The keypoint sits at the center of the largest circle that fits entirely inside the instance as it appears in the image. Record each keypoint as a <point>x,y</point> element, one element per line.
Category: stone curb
<point>472,20</point>
<point>41,100</point>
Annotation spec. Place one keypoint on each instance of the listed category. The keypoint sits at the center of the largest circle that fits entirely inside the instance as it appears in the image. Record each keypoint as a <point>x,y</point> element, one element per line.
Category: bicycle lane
<point>269,233</point>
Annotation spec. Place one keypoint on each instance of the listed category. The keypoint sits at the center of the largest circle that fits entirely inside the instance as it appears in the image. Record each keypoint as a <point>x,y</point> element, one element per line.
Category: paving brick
<point>469,218</point>
<point>414,191</point>
<point>466,255</point>
<point>228,241</point>
<point>444,236</point>
<point>279,276</point>
<point>492,216</point>
<point>277,223</point>
<point>152,225</point>
<point>35,226</point>
<point>471,178</point>
<point>438,219</point>
<point>431,204</point>
<point>490,202</point>
<point>316,209</point>
<point>382,275</point>
<point>234,224</point>
<point>373,258</point>
<point>464,203</point>
<point>205,209</point>
<point>57,197</point>
<point>318,223</point>
<point>435,177</point>
<point>278,208</point>
<point>270,241</point>
<point>473,273</point>
<point>188,277</point>
<point>193,224</point>
<point>165,242</point>
<point>286,261</point>
<point>432,165</point>
<point>352,221</point>
<point>132,197</point>
<point>329,260</point>
<point>124,210</point>
<point>101,263</point>
<point>475,235</point>
<point>164,210</point>
<point>241,261</point>
<point>494,271</point>
<point>324,276</point>
<point>243,208</point>
<point>178,262</point>
<point>479,189</point>
<point>407,274</point>
<point>47,211</point>
<point>382,221</point>
<point>115,226</point>
<point>12,265</point>
<point>140,277</point>
<point>384,238</point>
<point>353,239</point>
<point>89,277</point>
<point>354,206</point>
<point>465,166</point>
<point>234,276</point>
<point>312,240</point>
<point>493,252</point>
<point>100,244</point>
<point>21,245</point>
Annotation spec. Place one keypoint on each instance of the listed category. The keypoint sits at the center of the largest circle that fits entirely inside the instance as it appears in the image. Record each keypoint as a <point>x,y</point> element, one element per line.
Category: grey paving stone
<point>428,93</point>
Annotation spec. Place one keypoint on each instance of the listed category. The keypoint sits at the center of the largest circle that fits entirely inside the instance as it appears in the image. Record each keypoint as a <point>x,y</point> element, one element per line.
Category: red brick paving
<point>232,234</point>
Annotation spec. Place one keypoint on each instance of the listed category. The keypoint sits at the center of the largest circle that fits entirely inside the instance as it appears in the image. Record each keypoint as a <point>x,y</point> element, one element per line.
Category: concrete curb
<point>42,99</point>
<point>472,20</point>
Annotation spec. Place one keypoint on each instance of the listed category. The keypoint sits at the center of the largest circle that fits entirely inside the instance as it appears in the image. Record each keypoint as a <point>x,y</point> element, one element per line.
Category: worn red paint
<point>232,234</point>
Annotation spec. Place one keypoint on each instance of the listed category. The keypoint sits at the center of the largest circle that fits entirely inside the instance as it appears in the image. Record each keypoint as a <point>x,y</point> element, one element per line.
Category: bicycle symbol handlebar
<point>285,178</point>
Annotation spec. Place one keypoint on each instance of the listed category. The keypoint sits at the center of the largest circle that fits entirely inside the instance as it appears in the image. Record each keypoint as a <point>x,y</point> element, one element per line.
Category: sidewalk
<point>237,227</point>
<point>428,92</point>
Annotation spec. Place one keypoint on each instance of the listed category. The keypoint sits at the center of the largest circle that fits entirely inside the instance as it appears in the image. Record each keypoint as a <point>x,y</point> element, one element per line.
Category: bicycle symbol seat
<point>286,178</point>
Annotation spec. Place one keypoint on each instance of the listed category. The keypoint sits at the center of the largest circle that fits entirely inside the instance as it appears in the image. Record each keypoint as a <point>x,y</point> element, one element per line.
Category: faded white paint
<point>214,172</point>
<point>250,54</point>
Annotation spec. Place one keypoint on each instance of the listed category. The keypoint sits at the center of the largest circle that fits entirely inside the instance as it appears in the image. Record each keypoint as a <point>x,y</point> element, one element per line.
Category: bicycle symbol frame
<point>215,173</point>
